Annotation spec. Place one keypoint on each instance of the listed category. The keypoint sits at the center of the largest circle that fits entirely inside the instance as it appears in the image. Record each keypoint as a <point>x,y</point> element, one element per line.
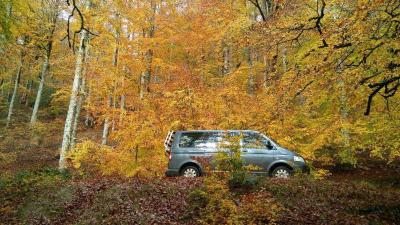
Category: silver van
<point>186,149</point>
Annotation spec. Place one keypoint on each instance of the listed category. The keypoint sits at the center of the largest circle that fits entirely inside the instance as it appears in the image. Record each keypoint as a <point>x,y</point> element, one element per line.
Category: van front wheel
<point>190,171</point>
<point>282,172</point>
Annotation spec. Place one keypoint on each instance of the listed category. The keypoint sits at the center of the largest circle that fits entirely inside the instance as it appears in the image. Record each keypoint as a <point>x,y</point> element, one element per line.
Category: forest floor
<point>32,191</point>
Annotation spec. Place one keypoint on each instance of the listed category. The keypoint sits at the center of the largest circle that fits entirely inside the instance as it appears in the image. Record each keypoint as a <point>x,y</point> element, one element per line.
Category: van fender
<point>192,162</point>
<point>277,163</point>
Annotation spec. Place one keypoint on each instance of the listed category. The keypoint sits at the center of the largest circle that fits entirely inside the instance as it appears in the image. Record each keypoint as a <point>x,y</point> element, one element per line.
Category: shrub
<point>232,162</point>
<point>91,158</point>
<point>217,203</point>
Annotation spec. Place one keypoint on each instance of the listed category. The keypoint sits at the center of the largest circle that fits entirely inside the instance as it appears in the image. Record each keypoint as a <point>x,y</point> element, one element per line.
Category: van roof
<point>190,131</point>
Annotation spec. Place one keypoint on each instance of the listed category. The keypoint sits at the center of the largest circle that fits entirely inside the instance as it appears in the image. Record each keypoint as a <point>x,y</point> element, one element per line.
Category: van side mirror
<point>269,145</point>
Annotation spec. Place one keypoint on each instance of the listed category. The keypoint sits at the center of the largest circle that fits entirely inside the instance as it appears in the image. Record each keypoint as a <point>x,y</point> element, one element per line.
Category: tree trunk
<point>111,99</point>
<point>2,87</point>
<point>22,98</point>
<point>227,64</point>
<point>284,60</point>
<point>88,119</point>
<point>16,84</point>
<point>146,76</point>
<point>28,92</point>
<point>251,83</point>
<point>106,124</point>
<point>266,71</point>
<point>81,99</point>
<point>114,106</point>
<point>9,95</point>
<point>45,67</point>
<point>122,108</point>
<point>46,63</point>
<point>74,95</point>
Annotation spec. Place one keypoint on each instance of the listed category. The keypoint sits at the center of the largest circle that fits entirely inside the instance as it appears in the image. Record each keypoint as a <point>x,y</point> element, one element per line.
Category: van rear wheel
<point>190,171</point>
<point>282,172</point>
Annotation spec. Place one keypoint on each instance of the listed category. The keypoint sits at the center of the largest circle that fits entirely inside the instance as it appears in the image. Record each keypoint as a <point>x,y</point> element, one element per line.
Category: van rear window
<point>200,140</point>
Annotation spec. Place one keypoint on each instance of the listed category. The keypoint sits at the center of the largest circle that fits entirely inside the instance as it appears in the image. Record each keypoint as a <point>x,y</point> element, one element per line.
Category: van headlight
<point>298,159</point>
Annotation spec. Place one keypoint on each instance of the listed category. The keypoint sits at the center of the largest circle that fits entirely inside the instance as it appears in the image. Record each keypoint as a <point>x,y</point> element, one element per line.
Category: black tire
<point>281,172</point>
<point>190,171</point>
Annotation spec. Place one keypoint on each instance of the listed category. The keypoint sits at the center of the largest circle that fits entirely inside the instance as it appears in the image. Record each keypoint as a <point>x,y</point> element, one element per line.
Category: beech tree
<point>80,58</point>
<point>50,12</point>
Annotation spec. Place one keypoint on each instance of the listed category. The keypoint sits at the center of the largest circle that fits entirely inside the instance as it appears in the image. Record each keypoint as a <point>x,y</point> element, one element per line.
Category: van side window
<point>199,140</point>
<point>254,140</point>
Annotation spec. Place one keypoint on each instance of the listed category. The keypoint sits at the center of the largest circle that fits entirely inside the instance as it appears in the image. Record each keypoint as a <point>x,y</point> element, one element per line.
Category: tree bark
<point>88,119</point>
<point>35,110</point>
<point>9,95</point>
<point>81,99</point>
<point>284,60</point>
<point>16,84</point>
<point>111,100</point>
<point>266,71</point>
<point>2,87</point>
<point>106,124</point>
<point>30,85</point>
<point>22,98</point>
<point>122,108</point>
<point>145,77</point>
<point>46,64</point>
<point>74,95</point>
<point>251,83</point>
<point>227,62</point>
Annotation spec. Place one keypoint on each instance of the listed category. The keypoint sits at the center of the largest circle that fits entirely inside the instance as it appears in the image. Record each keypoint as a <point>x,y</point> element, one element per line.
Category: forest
<point>89,90</point>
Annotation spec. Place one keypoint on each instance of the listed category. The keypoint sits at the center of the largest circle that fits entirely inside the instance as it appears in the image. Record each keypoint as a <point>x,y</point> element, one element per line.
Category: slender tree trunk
<point>9,95</point>
<point>2,87</point>
<point>111,100</point>
<point>227,64</point>
<point>30,85</point>
<point>81,99</point>
<point>46,64</point>
<point>106,124</point>
<point>35,110</point>
<point>266,71</point>
<point>16,84</point>
<point>284,60</point>
<point>88,119</point>
<point>346,153</point>
<point>122,108</point>
<point>122,99</point>
<point>22,98</point>
<point>251,83</point>
<point>146,76</point>
<point>114,105</point>
<point>142,85</point>
<point>74,95</point>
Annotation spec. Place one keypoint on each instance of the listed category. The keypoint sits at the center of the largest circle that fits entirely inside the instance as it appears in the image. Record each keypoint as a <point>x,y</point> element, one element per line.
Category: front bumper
<point>301,167</point>
<point>172,172</point>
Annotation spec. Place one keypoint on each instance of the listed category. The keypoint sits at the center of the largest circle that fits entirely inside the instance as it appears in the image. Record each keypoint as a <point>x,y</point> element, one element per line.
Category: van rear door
<point>196,145</point>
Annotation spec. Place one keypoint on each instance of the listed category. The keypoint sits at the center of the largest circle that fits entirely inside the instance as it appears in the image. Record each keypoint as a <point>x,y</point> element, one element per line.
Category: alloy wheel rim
<point>190,172</point>
<point>282,173</point>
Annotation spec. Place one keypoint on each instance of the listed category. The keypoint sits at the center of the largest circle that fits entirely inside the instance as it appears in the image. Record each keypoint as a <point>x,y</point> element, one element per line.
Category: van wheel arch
<point>190,164</point>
